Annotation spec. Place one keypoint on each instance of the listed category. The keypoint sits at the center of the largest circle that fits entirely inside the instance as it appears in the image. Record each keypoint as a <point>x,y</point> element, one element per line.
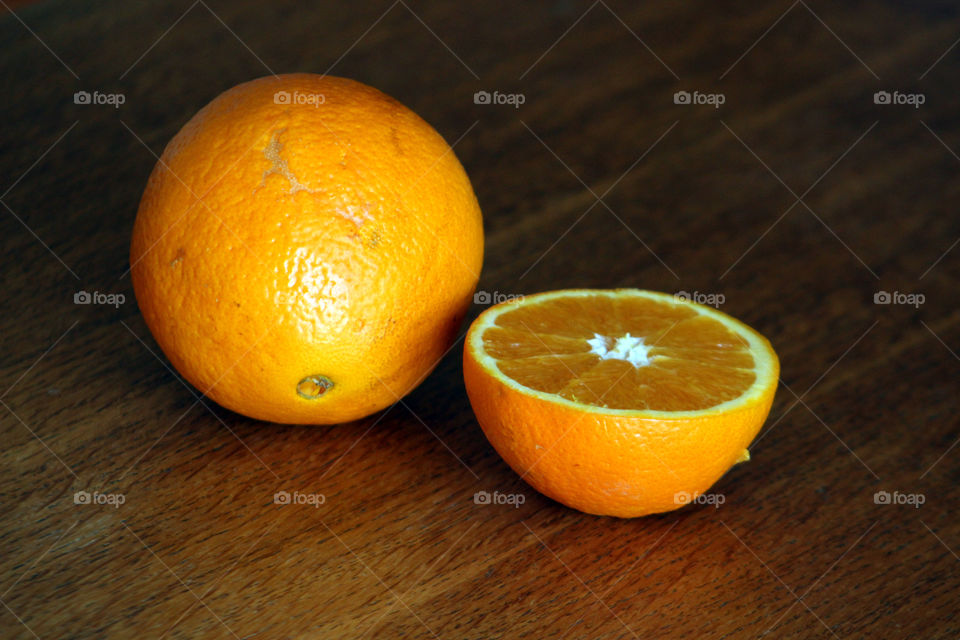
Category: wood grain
<point>798,199</point>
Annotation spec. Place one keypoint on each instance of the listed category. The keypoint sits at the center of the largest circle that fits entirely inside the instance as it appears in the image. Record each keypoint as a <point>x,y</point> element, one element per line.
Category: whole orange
<point>305,249</point>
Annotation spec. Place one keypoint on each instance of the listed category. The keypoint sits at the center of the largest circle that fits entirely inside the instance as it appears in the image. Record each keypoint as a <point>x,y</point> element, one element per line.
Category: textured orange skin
<point>356,261</point>
<point>606,464</point>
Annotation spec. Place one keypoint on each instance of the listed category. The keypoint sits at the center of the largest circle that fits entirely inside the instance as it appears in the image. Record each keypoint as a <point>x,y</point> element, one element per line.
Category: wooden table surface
<point>795,202</point>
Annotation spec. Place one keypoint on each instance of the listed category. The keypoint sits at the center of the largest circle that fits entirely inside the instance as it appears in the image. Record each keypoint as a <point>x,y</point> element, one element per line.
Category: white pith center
<point>627,348</point>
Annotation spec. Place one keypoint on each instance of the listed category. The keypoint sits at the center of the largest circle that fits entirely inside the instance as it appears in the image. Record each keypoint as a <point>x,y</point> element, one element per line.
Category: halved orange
<point>618,402</point>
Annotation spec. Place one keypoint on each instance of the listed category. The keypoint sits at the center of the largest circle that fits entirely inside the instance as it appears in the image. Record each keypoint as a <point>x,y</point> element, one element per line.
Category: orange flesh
<point>569,347</point>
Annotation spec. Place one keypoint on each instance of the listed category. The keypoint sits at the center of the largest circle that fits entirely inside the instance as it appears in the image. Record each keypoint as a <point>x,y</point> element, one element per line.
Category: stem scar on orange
<point>306,249</point>
<point>618,402</point>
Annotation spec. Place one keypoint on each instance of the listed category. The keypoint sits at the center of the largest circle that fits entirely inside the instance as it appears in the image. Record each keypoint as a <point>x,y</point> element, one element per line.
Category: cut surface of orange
<point>618,402</point>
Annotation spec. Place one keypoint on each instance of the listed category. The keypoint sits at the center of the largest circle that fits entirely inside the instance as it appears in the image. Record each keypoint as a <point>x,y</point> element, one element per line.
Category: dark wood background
<point>798,200</point>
